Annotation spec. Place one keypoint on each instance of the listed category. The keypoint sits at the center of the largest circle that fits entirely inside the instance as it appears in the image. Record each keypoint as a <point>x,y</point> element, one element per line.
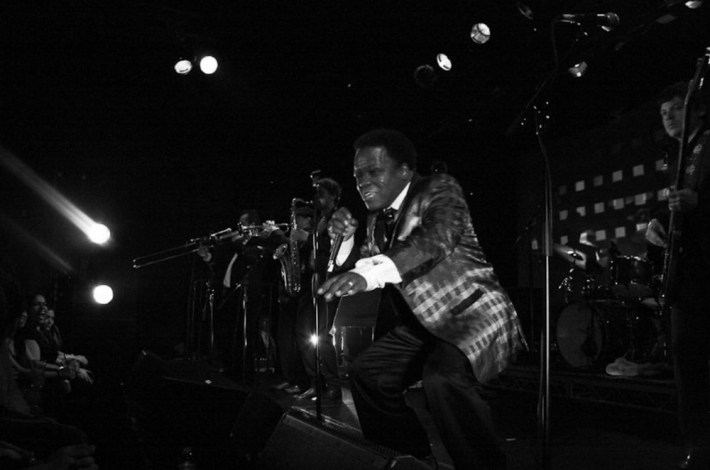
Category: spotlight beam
<point>45,191</point>
<point>46,252</point>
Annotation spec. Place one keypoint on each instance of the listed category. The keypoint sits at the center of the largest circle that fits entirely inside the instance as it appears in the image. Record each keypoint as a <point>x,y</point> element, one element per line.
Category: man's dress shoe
<point>310,393</point>
<point>281,386</point>
<point>292,390</point>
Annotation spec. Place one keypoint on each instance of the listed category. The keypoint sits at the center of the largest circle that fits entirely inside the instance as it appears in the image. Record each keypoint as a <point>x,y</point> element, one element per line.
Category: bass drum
<point>593,334</point>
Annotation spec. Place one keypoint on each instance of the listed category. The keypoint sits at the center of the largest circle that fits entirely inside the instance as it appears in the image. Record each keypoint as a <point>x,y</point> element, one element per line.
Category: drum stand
<point>208,315</point>
<point>566,285</point>
<point>635,351</point>
<point>242,288</point>
<point>632,324</point>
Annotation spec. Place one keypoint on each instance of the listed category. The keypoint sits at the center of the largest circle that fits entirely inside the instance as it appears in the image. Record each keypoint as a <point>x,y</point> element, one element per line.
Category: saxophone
<point>289,257</point>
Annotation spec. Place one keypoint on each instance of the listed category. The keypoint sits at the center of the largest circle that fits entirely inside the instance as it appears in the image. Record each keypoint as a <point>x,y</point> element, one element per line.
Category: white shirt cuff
<point>345,249</point>
<point>377,270</point>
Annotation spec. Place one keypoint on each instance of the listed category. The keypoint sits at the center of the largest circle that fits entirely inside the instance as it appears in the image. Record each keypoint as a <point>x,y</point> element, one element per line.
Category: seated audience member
<point>49,328</point>
<point>43,377</point>
<point>36,306</point>
<point>26,441</point>
<point>49,340</point>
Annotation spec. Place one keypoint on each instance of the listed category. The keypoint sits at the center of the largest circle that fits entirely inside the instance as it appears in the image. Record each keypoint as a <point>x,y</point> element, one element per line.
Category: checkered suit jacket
<point>446,280</point>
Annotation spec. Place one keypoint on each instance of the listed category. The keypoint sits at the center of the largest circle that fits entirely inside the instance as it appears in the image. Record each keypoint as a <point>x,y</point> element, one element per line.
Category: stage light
<point>425,76</point>
<point>102,294</point>
<point>208,65</point>
<point>314,339</point>
<point>99,234</point>
<point>183,66</point>
<point>693,4</point>
<point>578,70</point>
<point>44,190</point>
<point>480,33</point>
<point>443,62</point>
<point>525,10</point>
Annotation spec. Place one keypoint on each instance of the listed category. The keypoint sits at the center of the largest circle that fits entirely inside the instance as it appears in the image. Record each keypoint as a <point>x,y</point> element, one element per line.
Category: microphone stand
<point>527,236</point>
<point>544,388</point>
<point>544,403</point>
<point>315,283</point>
<point>208,312</point>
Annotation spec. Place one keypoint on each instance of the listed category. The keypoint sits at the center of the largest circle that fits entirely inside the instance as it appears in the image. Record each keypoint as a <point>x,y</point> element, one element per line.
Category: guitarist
<point>690,293</point>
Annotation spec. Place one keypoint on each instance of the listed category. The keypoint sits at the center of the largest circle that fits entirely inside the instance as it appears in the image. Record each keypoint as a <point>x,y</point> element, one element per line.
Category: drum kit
<point>609,312</point>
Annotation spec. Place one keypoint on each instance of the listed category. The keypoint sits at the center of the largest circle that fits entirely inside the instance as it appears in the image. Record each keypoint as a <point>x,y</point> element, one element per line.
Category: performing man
<point>454,325</point>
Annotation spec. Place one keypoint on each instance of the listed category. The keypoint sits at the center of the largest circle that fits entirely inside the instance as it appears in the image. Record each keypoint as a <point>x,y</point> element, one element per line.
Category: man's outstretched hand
<point>348,283</point>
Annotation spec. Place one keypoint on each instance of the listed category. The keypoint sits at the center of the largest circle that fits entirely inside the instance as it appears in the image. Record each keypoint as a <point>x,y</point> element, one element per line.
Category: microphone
<point>337,241</point>
<point>606,21</point>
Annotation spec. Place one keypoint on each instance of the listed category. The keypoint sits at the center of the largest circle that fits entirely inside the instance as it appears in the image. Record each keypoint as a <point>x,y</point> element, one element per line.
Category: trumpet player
<point>239,269</point>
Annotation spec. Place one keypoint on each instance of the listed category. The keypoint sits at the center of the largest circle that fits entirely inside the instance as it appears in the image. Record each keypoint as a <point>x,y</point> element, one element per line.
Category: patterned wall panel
<point>606,183</point>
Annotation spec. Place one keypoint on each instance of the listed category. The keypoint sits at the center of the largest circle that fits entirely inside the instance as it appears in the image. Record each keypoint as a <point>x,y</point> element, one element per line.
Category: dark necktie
<point>384,224</point>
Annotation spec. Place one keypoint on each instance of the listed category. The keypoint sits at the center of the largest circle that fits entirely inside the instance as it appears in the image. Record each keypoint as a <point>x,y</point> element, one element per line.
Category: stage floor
<point>596,421</point>
<point>588,430</point>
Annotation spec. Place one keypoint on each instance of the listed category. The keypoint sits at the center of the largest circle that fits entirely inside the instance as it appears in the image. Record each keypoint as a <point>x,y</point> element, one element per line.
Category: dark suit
<point>455,327</point>
<point>251,271</point>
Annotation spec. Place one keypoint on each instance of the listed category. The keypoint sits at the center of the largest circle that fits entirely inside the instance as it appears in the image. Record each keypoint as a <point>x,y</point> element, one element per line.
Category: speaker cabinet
<point>301,442</point>
<point>255,422</point>
<point>178,403</point>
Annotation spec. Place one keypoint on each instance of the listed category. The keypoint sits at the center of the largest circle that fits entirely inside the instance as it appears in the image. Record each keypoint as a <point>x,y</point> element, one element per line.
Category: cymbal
<point>650,302</point>
<point>569,254</point>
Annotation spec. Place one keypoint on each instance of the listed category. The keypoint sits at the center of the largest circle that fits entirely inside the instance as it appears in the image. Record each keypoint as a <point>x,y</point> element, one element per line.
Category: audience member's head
<point>47,321</point>
<point>36,308</point>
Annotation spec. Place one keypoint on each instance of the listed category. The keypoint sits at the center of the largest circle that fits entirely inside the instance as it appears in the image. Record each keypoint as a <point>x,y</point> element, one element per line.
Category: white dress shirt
<point>377,270</point>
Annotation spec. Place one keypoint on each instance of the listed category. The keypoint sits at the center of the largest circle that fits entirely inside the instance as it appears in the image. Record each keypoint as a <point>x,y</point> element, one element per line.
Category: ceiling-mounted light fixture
<point>525,10</point>
<point>443,61</point>
<point>606,21</point>
<point>693,4</point>
<point>480,33</point>
<point>208,65</point>
<point>102,294</point>
<point>425,76</point>
<point>578,70</point>
<point>183,66</point>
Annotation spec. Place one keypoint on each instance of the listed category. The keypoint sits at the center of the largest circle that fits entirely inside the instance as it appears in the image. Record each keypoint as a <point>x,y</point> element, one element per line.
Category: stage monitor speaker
<point>301,442</point>
<point>181,402</point>
<point>255,422</point>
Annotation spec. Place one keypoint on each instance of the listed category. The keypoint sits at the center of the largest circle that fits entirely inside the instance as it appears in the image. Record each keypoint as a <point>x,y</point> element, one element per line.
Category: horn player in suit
<point>448,320</point>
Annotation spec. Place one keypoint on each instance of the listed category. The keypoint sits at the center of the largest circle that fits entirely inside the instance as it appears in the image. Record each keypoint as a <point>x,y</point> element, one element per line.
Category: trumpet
<point>242,233</point>
<point>256,229</point>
